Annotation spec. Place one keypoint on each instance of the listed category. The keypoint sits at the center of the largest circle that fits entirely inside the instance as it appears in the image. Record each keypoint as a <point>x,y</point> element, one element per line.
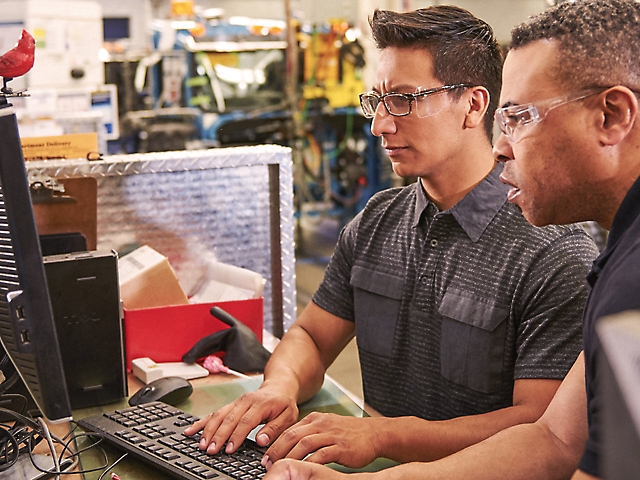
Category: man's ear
<point>478,102</point>
<point>618,109</point>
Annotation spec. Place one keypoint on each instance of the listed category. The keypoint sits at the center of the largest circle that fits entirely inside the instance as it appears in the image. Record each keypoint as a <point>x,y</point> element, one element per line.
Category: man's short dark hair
<point>463,47</point>
<point>599,41</point>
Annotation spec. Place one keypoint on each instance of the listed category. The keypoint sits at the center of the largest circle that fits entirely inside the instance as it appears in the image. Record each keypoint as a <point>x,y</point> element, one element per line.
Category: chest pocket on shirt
<point>472,340</point>
<point>376,298</point>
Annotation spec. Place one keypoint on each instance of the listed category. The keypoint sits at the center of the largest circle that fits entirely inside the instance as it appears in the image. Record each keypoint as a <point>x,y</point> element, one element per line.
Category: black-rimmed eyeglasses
<point>400,104</point>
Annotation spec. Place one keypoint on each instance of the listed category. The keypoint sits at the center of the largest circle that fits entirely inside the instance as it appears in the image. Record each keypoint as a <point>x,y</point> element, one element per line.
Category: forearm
<point>299,362</point>
<point>524,452</point>
<point>410,439</point>
<point>549,448</point>
<point>295,367</point>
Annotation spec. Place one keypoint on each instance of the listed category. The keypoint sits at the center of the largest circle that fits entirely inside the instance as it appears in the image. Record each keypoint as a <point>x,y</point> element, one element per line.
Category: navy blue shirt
<point>615,284</point>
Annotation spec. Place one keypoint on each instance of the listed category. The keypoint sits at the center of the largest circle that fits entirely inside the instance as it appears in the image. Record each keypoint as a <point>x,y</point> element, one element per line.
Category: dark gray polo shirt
<point>451,307</point>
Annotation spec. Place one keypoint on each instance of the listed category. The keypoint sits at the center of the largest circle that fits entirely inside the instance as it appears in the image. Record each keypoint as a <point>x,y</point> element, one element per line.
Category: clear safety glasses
<point>514,119</point>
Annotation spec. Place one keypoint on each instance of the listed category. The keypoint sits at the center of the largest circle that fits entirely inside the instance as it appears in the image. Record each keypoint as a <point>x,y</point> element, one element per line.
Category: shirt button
<point>434,243</point>
<point>423,279</point>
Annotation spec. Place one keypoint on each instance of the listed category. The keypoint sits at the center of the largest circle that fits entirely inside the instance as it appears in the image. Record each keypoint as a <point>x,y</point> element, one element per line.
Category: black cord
<point>25,433</point>
<point>9,450</point>
<point>97,439</point>
<point>16,438</point>
<point>112,465</point>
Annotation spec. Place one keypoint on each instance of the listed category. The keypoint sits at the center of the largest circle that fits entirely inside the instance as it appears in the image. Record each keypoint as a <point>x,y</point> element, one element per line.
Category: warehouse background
<point>173,75</point>
<point>502,15</point>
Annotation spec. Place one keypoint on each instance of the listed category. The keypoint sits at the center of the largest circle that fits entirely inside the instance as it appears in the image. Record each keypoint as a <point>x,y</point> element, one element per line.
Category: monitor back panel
<point>619,389</point>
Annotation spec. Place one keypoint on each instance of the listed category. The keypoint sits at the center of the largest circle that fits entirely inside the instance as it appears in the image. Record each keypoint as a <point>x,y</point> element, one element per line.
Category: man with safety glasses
<point>466,317</point>
<point>570,145</point>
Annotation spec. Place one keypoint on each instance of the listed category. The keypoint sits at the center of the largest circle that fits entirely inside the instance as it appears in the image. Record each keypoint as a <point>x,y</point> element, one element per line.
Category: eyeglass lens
<point>429,105</point>
<point>509,121</point>
<point>400,105</point>
<point>395,104</point>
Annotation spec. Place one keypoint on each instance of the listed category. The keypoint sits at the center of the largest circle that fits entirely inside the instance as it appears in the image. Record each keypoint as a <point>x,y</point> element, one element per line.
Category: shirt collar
<point>626,215</point>
<point>478,207</point>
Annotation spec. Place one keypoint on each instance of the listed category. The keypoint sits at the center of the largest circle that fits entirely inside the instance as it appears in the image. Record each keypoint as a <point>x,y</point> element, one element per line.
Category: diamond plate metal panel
<point>232,204</point>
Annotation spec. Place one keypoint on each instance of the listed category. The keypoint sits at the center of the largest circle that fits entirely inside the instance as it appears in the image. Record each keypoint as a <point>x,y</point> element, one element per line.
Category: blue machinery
<point>224,86</point>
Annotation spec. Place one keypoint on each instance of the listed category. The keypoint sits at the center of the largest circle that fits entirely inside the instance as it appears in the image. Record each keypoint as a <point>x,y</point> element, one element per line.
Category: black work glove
<point>244,352</point>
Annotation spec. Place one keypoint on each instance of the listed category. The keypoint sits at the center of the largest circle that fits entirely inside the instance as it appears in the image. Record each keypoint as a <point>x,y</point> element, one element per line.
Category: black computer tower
<point>85,298</point>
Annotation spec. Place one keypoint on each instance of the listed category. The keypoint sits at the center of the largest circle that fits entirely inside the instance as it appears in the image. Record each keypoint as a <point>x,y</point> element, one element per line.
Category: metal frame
<point>122,187</point>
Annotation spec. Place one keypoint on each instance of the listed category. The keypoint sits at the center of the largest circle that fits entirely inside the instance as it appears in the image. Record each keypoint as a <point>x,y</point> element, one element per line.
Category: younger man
<point>466,317</point>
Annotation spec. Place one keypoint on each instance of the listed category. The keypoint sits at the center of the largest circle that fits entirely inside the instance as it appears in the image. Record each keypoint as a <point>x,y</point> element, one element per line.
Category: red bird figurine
<point>18,60</point>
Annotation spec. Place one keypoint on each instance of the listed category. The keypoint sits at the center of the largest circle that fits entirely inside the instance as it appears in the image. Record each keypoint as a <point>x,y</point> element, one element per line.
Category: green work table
<point>204,400</point>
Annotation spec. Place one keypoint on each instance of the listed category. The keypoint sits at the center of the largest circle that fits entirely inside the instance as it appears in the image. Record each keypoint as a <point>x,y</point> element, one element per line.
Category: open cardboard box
<point>161,323</point>
<point>165,334</point>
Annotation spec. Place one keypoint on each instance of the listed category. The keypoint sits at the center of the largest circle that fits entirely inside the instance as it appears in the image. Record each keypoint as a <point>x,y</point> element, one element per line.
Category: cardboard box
<point>223,283</point>
<point>147,280</point>
<point>165,334</point>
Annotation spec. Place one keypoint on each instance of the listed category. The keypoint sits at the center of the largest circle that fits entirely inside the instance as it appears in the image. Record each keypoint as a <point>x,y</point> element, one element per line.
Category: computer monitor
<point>619,389</point>
<point>27,327</point>
<point>115,28</point>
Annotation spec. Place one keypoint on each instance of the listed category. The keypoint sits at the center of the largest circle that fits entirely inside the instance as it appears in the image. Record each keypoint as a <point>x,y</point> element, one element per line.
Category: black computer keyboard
<point>153,433</point>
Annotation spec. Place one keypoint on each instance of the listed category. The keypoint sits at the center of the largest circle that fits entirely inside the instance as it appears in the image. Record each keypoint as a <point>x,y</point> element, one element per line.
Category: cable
<point>22,435</point>
<point>105,466</point>
<point>112,465</point>
<point>25,433</point>
<point>47,436</point>
<point>14,436</point>
<point>8,453</point>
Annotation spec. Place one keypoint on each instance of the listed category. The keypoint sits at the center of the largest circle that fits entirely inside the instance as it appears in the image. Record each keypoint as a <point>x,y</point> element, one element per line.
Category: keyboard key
<point>169,442</point>
<point>152,429</point>
<point>209,474</point>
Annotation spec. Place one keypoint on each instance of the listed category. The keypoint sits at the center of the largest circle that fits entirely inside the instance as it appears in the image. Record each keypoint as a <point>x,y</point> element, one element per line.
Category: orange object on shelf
<point>181,8</point>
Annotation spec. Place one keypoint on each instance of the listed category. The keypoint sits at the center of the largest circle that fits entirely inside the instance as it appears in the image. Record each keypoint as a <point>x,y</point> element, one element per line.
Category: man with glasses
<point>466,316</point>
<point>571,150</point>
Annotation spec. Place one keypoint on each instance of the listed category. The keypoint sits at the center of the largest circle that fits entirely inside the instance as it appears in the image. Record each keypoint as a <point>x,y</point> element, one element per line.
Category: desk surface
<point>210,394</point>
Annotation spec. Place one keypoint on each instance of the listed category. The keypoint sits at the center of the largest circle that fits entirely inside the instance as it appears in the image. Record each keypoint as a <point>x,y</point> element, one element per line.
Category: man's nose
<point>502,151</point>
<point>383,122</point>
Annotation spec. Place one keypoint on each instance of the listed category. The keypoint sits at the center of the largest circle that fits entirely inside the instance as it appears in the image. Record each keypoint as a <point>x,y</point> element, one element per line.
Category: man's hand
<point>326,438</point>
<point>294,374</point>
<point>236,420</point>
<point>295,470</point>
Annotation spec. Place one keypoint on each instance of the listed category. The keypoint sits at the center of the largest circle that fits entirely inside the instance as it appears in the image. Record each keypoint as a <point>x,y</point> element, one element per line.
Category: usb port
<point>25,337</point>
<point>20,312</point>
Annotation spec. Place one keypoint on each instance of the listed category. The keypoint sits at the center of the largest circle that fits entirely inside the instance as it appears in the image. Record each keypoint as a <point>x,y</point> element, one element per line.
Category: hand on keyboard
<point>232,423</point>
<point>326,438</point>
